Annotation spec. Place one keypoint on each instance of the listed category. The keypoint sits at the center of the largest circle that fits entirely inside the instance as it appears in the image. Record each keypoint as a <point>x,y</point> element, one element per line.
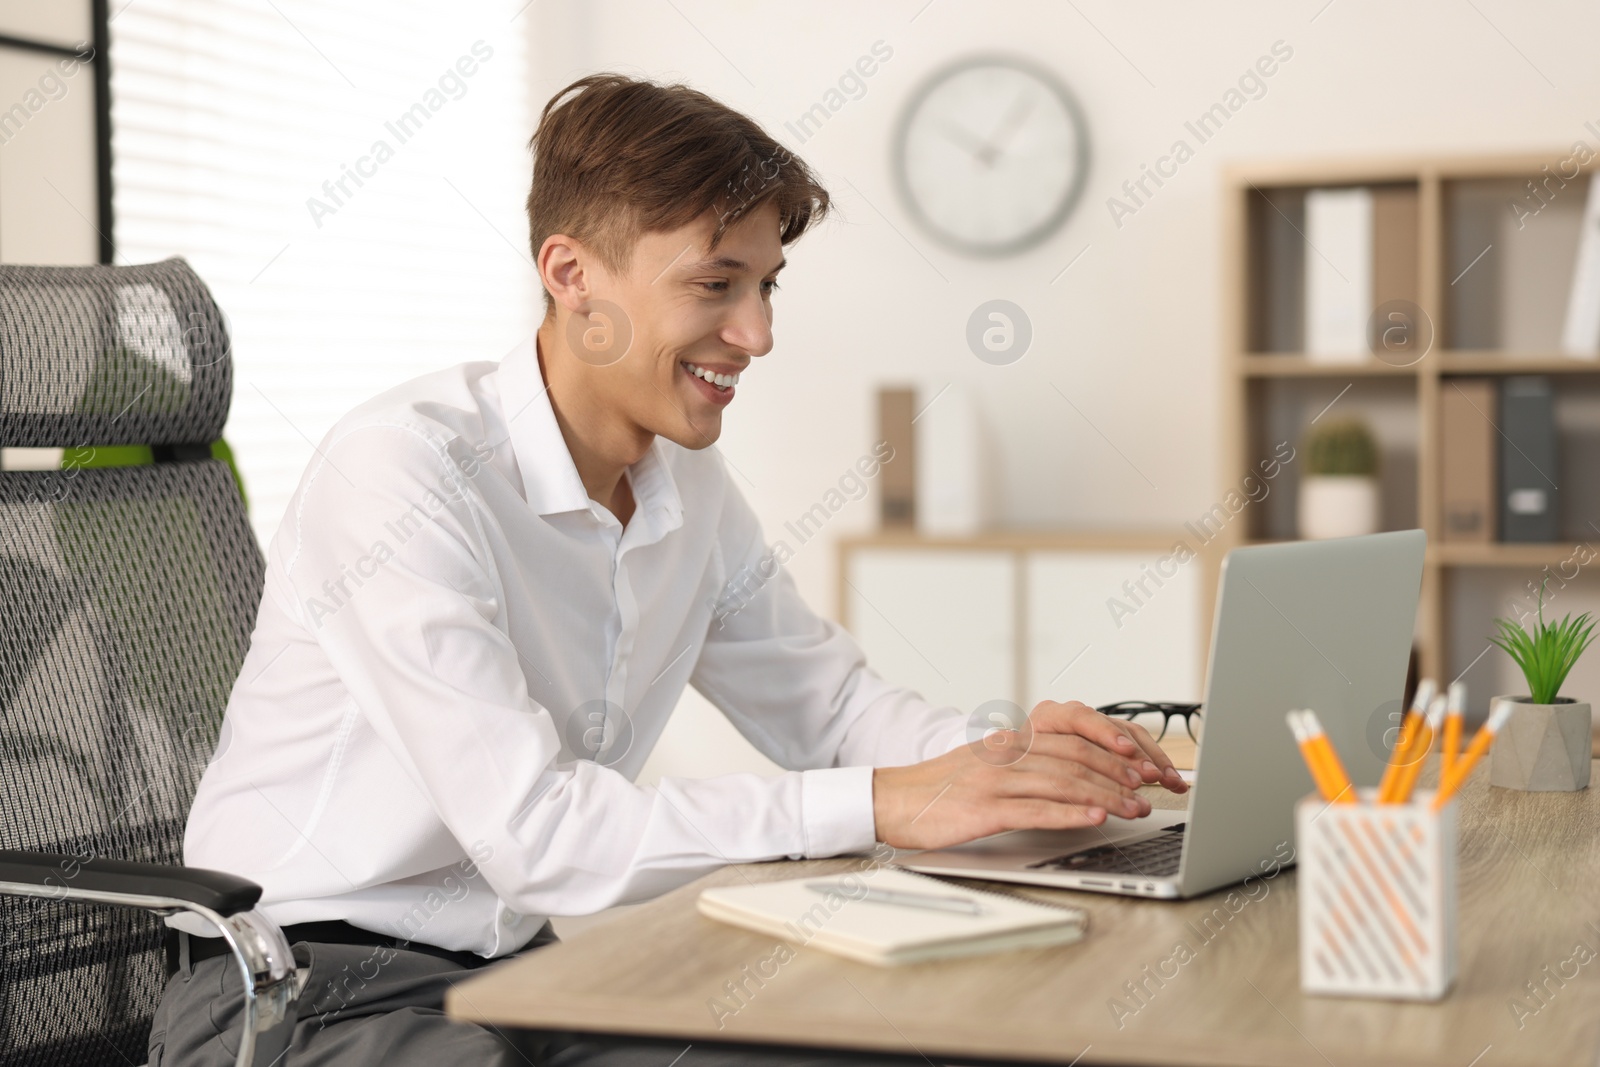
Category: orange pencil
<point>1338,779</point>
<point>1469,759</point>
<point>1327,782</point>
<point>1450,747</point>
<point>1419,751</point>
<point>1410,725</point>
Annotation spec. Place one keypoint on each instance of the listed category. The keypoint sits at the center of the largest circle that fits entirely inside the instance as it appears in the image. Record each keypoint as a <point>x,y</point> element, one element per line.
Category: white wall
<point>47,137</point>
<point>1131,332</point>
<point>350,249</point>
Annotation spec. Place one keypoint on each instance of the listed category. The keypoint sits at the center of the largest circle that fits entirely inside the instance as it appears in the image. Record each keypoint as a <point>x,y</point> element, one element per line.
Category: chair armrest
<point>222,900</point>
<point>225,894</point>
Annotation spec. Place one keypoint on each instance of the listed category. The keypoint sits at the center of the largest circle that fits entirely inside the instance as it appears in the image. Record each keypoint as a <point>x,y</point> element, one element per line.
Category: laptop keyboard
<point>1154,857</point>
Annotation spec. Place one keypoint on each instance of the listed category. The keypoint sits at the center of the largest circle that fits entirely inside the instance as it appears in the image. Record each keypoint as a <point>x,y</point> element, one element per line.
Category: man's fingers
<point>1142,738</point>
<point>1082,750</point>
<point>1069,783</point>
<point>1152,751</point>
<point>1075,717</point>
<point>1030,814</point>
<point>1124,738</point>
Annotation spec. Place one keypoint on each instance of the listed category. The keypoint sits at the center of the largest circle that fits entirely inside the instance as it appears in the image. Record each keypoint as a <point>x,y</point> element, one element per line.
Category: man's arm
<point>420,645</point>
<point>799,688</point>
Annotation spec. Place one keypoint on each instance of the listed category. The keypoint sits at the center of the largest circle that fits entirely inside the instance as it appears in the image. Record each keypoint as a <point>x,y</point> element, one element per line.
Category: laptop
<point>1325,625</point>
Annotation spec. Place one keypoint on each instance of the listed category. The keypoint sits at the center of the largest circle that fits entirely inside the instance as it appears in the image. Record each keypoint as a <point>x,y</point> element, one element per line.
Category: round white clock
<point>991,154</point>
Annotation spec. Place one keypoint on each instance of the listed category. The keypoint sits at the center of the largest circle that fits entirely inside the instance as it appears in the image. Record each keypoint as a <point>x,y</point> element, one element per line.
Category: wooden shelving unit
<point>1252,376</point>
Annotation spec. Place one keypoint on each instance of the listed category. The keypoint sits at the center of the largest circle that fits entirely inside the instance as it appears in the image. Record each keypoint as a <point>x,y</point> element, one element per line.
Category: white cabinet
<point>1109,626</point>
<point>1096,619</point>
<point>966,621</point>
<point>942,622</point>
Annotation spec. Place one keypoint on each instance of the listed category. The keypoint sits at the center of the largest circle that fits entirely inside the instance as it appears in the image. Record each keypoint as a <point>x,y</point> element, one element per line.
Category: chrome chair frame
<point>259,948</point>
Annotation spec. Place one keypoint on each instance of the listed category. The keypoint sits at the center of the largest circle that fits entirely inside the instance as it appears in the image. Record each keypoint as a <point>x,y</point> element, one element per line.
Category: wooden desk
<point>1530,897</point>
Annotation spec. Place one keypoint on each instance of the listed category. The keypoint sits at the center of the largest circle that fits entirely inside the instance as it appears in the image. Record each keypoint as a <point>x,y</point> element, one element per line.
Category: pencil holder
<point>1377,886</point>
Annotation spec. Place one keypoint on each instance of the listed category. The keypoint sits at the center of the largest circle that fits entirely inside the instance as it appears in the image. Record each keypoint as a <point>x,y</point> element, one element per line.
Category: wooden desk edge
<point>491,999</point>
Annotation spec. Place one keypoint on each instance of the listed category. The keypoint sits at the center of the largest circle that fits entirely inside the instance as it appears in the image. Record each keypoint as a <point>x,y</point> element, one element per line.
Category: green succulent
<point>1547,654</point>
<point>1342,446</point>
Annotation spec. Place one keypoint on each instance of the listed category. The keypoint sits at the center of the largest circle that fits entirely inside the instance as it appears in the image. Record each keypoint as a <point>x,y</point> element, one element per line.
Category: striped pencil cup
<point>1377,887</point>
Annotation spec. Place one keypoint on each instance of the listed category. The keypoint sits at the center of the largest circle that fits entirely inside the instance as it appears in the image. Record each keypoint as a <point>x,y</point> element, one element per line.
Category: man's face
<point>693,312</point>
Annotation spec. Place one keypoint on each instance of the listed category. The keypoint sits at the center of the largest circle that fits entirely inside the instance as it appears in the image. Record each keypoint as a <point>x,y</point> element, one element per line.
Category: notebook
<point>847,923</point>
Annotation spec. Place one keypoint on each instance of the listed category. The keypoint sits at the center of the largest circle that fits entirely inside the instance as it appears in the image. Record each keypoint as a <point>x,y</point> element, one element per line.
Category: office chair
<point>127,599</point>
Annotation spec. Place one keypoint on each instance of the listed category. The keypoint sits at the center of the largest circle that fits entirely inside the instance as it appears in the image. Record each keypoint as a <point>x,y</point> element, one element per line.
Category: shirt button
<point>509,918</point>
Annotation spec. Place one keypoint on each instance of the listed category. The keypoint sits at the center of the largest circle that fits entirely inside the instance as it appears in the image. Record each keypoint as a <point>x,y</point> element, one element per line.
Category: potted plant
<point>1339,491</point>
<point>1545,745</point>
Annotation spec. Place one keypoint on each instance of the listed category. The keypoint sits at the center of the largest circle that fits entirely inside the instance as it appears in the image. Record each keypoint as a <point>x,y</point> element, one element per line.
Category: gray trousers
<point>394,1019</point>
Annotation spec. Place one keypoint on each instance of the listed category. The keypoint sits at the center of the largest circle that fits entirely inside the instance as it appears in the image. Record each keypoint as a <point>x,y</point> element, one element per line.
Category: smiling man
<point>489,592</point>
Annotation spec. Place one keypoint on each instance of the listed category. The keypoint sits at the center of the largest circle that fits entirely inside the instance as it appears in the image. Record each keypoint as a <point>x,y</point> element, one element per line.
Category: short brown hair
<point>616,158</point>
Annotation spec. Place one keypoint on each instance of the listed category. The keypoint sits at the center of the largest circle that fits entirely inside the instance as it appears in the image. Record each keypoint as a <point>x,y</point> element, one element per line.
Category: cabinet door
<point>1091,638</point>
<point>940,622</point>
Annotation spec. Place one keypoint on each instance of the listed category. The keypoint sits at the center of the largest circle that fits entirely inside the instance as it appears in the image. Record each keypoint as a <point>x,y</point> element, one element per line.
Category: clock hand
<point>965,139</point>
<point>1009,125</point>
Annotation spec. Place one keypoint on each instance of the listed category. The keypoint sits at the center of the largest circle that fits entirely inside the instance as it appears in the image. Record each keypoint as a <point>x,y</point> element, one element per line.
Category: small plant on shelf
<point>1547,654</point>
<point>1547,742</point>
<point>1339,493</point>
<point>1344,446</point>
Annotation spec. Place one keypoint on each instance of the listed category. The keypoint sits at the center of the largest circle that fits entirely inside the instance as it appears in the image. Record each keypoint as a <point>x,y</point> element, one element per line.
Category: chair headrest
<point>111,355</point>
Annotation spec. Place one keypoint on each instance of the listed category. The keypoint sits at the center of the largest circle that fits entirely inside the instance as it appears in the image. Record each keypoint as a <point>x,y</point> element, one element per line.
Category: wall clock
<point>991,154</point>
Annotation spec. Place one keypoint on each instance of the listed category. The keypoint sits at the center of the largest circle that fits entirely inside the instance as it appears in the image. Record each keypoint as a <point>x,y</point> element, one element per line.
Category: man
<point>490,589</point>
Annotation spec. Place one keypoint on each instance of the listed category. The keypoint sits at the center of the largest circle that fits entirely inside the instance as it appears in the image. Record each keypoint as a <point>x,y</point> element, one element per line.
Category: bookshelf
<point>1494,316</point>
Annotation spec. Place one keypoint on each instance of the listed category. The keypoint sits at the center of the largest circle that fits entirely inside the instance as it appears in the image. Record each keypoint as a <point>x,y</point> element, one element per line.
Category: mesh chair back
<point>127,598</point>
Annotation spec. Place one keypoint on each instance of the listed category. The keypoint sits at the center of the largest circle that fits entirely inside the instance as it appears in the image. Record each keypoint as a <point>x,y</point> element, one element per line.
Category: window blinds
<point>347,176</point>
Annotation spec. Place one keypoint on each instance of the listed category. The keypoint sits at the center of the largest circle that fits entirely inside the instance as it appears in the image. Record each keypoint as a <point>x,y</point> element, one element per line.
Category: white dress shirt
<point>461,662</point>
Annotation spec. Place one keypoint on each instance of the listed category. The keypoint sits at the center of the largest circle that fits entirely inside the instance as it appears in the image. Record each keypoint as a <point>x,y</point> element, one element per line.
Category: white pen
<point>932,901</point>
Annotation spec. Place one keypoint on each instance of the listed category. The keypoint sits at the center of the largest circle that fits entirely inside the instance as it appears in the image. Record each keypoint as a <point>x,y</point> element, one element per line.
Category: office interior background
<point>243,134</point>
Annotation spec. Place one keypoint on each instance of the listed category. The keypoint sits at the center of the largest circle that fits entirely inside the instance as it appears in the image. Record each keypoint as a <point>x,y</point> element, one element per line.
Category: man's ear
<point>564,264</point>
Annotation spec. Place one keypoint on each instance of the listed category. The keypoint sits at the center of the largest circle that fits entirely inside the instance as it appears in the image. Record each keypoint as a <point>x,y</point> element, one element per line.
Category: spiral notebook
<point>850,923</point>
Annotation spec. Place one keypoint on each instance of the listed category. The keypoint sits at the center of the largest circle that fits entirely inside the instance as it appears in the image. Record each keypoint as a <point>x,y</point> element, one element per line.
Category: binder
<point>1395,244</point>
<point>1472,266</point>
<point>1529,467</point>
<point>1580,335</point>
<point>1396,272</point>
<point>1278,270</point>
<point>954,473</point>
<point>897,482</point>
<point>1537,253</point>
<point>1467,460</point>
<point>1338,274</point>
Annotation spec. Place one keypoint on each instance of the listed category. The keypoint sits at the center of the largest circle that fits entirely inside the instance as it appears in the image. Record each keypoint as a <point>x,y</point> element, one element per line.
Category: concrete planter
<point>1338,505</point>
<point>1542,747</point>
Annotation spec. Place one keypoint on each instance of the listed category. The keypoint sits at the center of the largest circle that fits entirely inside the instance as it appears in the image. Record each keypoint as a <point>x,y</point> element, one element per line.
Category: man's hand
<point>1069,768</point>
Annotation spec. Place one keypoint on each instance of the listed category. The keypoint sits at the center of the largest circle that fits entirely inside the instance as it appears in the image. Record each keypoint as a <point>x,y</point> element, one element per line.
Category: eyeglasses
<point>1132,709</point>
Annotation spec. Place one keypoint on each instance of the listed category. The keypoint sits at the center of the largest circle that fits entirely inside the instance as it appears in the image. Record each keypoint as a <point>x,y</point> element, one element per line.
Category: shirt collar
<point>550,479</point>
<point>655,492</point>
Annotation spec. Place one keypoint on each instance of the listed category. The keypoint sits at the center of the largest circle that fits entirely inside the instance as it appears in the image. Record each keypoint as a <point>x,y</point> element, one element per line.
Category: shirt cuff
<point>836,811</point>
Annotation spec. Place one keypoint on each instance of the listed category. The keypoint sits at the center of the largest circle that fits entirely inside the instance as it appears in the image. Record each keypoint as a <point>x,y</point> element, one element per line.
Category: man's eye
<point>770,286</point>
<point>715,287</point>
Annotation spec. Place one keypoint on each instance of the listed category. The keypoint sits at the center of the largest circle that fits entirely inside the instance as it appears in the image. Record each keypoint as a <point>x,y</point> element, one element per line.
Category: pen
<point>1469,759</point>
<point>1450,748</point>
<point>1409,726</point>
<point>933,901</point>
